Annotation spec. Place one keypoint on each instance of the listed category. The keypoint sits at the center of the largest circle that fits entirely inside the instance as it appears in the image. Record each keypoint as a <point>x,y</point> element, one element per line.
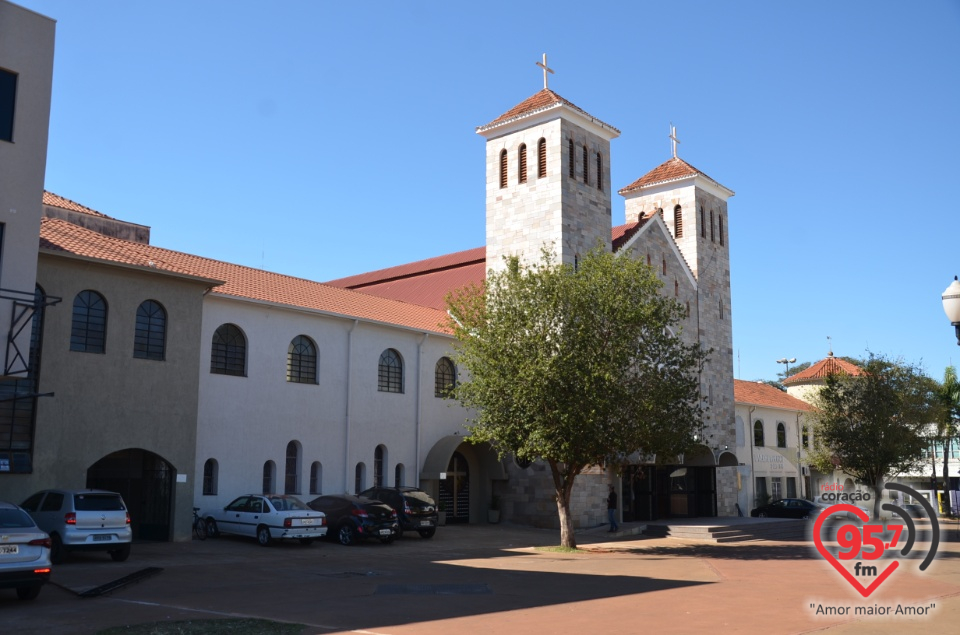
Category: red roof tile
<point>57,236</point>
<point>55,200</point>
<point>760,394</point>
<point>670,170</point>
<point>824,368</point>
<point>540,101</point>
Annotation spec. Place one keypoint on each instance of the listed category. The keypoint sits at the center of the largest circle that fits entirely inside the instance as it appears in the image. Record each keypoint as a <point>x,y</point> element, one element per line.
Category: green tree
<point>874,426</point>
<point>578,367</point>
<point>948,394</point>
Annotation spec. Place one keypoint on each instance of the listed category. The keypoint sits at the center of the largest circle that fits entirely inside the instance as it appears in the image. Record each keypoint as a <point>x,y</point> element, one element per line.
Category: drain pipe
<point>346,435</point>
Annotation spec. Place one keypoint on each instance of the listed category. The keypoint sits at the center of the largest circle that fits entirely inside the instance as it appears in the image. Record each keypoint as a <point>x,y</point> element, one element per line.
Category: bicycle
<point>199,525</point>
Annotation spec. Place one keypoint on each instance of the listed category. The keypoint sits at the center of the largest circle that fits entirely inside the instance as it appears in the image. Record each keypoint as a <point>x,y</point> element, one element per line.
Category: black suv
<point>416,511</point>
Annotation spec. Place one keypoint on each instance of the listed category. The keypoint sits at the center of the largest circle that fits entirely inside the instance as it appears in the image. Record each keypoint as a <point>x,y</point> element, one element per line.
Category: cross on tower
<point>673,138</point>
<point>546,69</point>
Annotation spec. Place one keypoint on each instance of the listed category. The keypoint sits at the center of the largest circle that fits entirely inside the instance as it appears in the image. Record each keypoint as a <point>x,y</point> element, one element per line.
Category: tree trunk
<point>877,488</point>
<point>563,483</point>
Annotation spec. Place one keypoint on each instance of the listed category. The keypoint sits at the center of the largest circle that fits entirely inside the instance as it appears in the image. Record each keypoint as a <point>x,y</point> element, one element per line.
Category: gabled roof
<point>671,170</point>
<point>55,200</point>
<point>58,237</point>
<point>824,368</point>
<point>758,393</point>
<point>427,282</point>
<point>537,103</point>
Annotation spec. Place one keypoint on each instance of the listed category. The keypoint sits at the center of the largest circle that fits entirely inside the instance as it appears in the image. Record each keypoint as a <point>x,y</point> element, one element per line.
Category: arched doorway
<point>145,480</point>
<point>455,490</point>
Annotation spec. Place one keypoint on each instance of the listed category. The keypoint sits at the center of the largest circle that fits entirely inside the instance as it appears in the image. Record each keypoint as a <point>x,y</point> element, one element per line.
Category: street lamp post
<point>784,360</point>
<point>951,305</point>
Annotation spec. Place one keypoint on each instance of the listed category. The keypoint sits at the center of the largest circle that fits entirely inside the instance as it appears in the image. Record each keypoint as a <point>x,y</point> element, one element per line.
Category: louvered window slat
<point>677,222</point>
<point>523,162</point>
<point>573,169</point>
<point>599,171</point>
<point>586,171</point>
<point>503,169</point>
<point>542,159</point>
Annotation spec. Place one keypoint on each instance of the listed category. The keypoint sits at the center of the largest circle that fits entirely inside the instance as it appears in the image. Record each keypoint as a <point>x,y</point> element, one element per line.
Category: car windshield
<point>14,519</point>
<point>418,498</point>
<point>287,503</point>
<point>98,503</point>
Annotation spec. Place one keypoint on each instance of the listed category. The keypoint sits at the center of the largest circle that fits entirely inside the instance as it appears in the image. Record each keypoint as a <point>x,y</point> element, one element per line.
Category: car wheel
<point>388,540</point>
<point>762,515</point>
<point>28,592</point>
<point>212,531</point>
<point>346,535</point>
<point>306,542</point>
<point>121,554</point>
<point>399,533</point>
<point>263,535</point>
<point>427,533</point>
<point>57,552</point>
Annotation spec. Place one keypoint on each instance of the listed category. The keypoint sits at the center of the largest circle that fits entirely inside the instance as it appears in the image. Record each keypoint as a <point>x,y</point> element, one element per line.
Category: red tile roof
<point>540,101</point>
<point>61,237</point>
<point>427,282</point>
<point>55,200</point>
<point>670,170</point>
<point>760,394</point>
<point>824,368</point>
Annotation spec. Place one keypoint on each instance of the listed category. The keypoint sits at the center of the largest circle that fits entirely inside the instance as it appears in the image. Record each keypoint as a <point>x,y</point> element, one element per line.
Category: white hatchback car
<point>267,517</point>
<point>82,520</point>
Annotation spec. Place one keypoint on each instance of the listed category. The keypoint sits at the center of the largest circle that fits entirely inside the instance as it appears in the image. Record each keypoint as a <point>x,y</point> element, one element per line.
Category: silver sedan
<point>267,517</point>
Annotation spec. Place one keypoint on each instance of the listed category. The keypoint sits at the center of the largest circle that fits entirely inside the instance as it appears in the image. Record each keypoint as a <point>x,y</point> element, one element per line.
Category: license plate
<point>426,523</point>
<point>306,521</point>
<point>101,537</point>
<point>9,549</point>
<point>385,532</point>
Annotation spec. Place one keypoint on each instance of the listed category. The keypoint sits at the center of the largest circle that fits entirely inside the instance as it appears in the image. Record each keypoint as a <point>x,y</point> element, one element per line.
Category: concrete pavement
<point>492,578</point>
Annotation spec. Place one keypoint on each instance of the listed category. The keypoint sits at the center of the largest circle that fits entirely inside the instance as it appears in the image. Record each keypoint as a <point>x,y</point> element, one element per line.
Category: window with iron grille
<point>522,158</point>
<point>572,159</point>
<point>677,222</point>
<point>781,435</point>
<point>378,460</point>
<point>586,171</point>
<point>291,481</point>
<point>269,469</point>
<point>758,433</point>
<point>88,333</point>
<point>149,341</point>
<point>302,361</point>
<point>445,378</point>
<point>390,372</point>
<point>210,473</point>
<point>359,478</point>
<point>542,158</point>
<point>503,169</point>
<point>316,478</point>
<point>398,475</point>
<point>18,403</point>
<point>229,353</point>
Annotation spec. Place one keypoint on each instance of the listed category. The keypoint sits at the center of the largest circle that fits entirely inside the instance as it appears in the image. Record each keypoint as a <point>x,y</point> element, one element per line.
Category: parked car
<point>24,552</point>
<point>82,520</point>
<point>354,518</point>
<point>267,517</point>
<point>788,508</point>
<point>416,511</point>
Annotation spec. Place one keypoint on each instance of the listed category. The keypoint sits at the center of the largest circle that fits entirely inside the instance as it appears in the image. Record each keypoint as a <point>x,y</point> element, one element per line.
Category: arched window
<point>712,231</point>
<point>599,171</point>
<point>586,163</point>
<point>269,477</point>
<point>503,169</point>
<point>88,333</point>
<point>758,433</point>
<point>542,158</point>
<point>398,475</point>
<point>445,378</point>
<point>664,258</point>
<point>291,479</point>
<point>781,435</point>
<point>302,361</point>
<point>676,288</point>
<point>229,353</point>
<point>359,478</point>
<point>805,441</point>
<point>316,478</point>
<point>390,372</point>
<point>379,459</point>
<point>149,339</point>
<point>703,225</point>
<point>677,222</point>
<point>522,158</point>
<point>720,229</point>
<point>571,156</point>
<point>210,474</point>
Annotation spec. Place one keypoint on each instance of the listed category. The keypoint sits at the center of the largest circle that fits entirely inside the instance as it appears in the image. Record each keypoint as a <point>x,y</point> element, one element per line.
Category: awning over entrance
<point>438,458</point>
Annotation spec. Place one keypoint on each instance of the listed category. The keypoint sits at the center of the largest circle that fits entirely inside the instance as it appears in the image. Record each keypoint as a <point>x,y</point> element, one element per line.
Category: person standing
<point>612,509</point>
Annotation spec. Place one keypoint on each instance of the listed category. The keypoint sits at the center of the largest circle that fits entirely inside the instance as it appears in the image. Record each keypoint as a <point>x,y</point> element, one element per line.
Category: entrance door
<point>145,480</point>
<point>455,490</point>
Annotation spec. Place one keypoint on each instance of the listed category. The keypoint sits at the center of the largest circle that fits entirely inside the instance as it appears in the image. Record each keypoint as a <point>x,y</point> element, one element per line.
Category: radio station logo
<point>866,543</point>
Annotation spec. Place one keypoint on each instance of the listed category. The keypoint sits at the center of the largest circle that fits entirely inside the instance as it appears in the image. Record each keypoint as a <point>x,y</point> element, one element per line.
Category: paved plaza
<point>491,578</point>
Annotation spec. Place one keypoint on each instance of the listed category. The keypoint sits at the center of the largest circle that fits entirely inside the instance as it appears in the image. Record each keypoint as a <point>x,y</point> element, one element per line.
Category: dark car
<point>788,508</point>
<point>353,518</point>
<point>415,509</point>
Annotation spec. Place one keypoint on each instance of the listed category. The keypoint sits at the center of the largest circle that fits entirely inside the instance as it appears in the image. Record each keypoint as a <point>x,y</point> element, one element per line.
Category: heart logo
<point>829,557</point>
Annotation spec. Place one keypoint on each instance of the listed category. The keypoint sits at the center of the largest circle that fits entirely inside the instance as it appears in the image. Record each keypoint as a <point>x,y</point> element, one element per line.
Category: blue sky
<point>323,139</point>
